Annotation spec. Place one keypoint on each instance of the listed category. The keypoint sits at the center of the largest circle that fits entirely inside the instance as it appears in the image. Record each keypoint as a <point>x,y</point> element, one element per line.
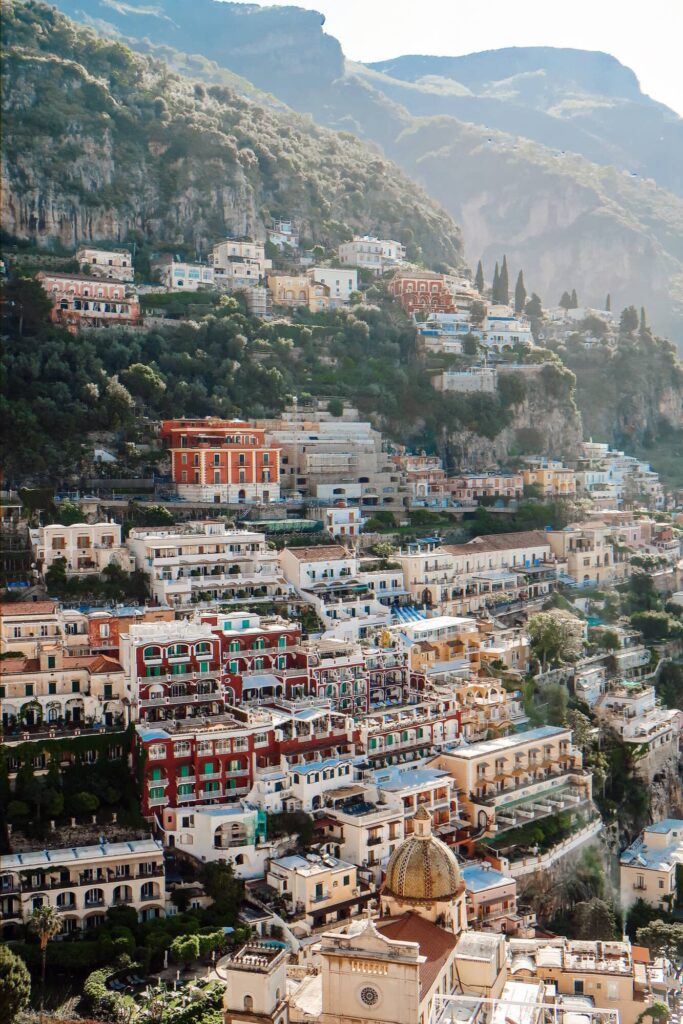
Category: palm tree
<point>46,923</point>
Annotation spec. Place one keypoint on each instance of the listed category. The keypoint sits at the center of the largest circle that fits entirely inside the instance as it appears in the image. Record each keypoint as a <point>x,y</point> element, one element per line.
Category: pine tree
<point>520,293</point>
<point>504,284</point>
<point>608,303</point>
<point>566,301</point>
<point>575,299</point>
<point>479,278</point>
<point>495,284</point>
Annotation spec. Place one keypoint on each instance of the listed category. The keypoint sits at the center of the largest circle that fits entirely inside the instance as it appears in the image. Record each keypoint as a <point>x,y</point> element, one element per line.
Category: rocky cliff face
<point>100,144</point>
<point>546,424</point>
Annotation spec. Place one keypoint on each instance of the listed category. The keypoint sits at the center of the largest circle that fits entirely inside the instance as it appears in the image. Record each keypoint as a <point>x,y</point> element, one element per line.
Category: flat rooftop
<point>78,854</point>
<point>502,743</point>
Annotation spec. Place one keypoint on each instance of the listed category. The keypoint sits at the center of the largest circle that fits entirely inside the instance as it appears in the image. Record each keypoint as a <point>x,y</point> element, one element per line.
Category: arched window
<point>203,648</point>
<point>234,645</point>
<point>150,653</point>
<point>248,1003</point>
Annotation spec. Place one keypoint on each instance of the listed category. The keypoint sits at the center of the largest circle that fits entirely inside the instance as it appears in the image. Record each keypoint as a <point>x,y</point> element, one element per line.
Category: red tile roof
<point>436,945</point>
<point>320,553</point>
<point>27,608</point>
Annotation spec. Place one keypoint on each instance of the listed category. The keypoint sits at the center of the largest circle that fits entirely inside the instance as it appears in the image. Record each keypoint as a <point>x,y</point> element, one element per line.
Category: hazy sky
<point>646,35</point>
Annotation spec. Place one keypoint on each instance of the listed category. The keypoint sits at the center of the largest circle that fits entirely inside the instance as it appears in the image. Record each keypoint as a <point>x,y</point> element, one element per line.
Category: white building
<point>284,233</point>
<point>87,548</point>
<point>186,277</point>
<point>326,577</point>
<point>505,329</point>
<point>205,560</point>
<point>632,711</point>
<point>370,253</point>
<point>232,832</point>
<point>341,282</point>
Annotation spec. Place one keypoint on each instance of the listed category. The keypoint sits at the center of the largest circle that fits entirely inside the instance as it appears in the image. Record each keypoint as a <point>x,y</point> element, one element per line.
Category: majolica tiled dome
<point>422,869</point>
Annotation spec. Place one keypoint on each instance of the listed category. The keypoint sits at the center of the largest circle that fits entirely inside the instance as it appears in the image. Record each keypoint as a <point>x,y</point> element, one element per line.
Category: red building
<point>80,301</point>
<point>174,671</point>
<point>421,292</point>
<point>261,657</point>
<point>105,626</point>
<point>221,461</point>
<point>215,762</point>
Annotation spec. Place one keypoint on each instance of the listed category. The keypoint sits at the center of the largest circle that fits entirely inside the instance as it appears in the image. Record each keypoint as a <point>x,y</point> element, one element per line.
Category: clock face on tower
<point>369,995</point>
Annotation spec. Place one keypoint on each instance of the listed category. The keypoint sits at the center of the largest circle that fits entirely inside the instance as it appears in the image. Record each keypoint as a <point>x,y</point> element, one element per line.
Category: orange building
<point>81,301</point>
<point>422,292</point>
<point>221,461</point>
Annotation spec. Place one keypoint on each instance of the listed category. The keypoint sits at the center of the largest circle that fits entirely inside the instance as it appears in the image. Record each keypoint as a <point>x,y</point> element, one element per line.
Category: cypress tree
<point>575,299</point>
<point>495,284</point>
<point>608,303</point>
<point>566,301</point>
<point>642,328</point>
<point>479,278</point>
<point>520,293</point>
<point>504,284</point>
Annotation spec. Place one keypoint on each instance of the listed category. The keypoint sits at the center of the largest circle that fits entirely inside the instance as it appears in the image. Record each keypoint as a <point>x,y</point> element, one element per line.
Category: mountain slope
<point>102,144</point>
<point>538,164</point>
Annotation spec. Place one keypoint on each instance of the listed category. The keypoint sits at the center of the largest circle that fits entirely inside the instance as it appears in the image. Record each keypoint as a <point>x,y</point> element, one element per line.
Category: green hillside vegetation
<point>59,386</point>
<point>630,394</point>
<point>145,154</point>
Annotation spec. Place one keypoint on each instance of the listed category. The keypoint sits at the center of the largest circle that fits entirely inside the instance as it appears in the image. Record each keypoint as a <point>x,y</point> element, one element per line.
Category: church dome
<point>422,869</point>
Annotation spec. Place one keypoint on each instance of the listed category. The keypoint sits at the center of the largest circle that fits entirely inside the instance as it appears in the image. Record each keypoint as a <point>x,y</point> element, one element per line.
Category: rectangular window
<point>51,687</point>
<point>157,793</point>
<point>75,686</point>
<point>29,689</point>
<point>51,661</point>
<point>107,691</point>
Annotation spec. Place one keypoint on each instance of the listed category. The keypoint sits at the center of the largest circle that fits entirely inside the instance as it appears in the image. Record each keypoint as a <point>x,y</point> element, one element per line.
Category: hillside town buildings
<point>374,254</point>
<point>109,264</point>
<point>217,461</point>
<point>80,301</point>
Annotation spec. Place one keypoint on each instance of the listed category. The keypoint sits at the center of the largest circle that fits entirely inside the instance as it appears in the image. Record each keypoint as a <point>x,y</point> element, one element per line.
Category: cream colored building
<point>317,887</point>
<point>113,264</point>
<point>648,868</point>
<point>87,548</point>
<point>590,553</point>
<point>239,264</point>
<point>25,626</point>
<point>370,253</point>
<point>611,974</point>
<point>256,984</point>
<point>57,692</point>
<point>82,883</point>
<point>512,780</point>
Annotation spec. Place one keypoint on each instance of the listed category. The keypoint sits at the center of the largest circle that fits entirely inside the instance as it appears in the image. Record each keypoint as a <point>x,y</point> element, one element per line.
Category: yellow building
<point>552,479</point>
<point>299,290</point>
<point>511,780</point>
